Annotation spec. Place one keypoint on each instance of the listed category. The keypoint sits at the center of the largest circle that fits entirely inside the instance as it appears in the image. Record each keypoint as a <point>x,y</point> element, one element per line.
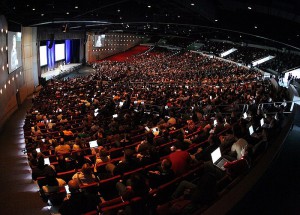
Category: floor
<point>278,191</point>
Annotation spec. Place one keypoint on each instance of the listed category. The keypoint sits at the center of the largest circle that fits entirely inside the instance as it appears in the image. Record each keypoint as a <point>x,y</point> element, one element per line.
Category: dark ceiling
<point>275,19</point>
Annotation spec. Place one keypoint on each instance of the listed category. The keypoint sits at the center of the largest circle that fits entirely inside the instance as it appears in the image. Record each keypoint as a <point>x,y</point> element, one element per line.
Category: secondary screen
<point>99,40</point>
<point>14,50</point>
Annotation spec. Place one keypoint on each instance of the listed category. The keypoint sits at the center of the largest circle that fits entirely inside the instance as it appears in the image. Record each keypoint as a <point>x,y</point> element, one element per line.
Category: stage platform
<point>61,71</point>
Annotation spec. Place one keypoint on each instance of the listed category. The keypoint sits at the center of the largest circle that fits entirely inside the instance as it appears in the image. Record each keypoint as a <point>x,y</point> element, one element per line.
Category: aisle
<point>18,193</point>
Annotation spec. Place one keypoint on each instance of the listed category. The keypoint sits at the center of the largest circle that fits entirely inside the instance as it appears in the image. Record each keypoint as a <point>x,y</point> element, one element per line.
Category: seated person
<point>129,162</point>
<point>181,160</point>
<point>136,186</point>
<point>41,170</point>
<point>62,148</point>
<point>101,157</point>
<point>85,176</point>
<point>238,146</point>
<point>191,196</point>
<point>204,153</point>
<point>162,175</point>
<point>53,184</point>
<point>63,165</point>
<point>77,203</point>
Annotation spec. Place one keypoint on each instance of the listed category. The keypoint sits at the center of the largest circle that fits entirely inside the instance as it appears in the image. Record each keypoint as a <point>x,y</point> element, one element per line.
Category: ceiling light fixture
<point>249,8</point>
<point>192,4</point>
<point>255,27</point>
<point>216,20</point>
<point>42,14</point>
<point>67,13</point>
<point>76,7</point>
<point>149,6</point>
<point>33,8</point>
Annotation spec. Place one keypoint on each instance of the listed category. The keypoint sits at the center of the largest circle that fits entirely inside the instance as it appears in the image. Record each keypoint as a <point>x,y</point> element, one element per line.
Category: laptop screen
<point>47,161</point>
<point>216,155</point>
<point>245,115</point>
<point>93,144</point>
<point>251,130</point>
<point>262,122</point>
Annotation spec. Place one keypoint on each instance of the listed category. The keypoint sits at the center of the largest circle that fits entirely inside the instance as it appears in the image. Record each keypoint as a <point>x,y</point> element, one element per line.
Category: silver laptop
<point>93,144</point>
<point>217,159</point>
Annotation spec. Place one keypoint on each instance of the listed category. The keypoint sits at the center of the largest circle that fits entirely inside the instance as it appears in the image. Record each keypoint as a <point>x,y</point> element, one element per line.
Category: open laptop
<point>217,159</point>
<point>262,122</point>
<point>93,144</point>
<point>251,130</point>
<point>47,161</point>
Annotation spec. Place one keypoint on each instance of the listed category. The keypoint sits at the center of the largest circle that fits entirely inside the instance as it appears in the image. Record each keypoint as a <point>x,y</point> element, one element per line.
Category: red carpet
<point>124,55</point>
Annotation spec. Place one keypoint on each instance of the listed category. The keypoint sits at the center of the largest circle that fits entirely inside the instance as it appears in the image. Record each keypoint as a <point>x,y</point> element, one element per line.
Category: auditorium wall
<point>11,85</point>
<point>114,43</point>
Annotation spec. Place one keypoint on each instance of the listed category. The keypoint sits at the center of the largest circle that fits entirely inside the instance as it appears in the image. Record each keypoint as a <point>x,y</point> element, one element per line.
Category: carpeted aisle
<point>18,193</point>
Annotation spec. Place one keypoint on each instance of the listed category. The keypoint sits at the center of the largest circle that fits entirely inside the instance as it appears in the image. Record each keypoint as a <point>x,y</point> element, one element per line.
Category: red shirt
<point>180,162</point>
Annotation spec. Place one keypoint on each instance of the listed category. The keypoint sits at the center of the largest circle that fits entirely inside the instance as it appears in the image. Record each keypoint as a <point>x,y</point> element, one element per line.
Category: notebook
<point>217,159</point>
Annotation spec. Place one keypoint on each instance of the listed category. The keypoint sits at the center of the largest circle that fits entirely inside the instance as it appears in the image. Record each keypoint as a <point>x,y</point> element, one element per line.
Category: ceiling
<point>275,19</point>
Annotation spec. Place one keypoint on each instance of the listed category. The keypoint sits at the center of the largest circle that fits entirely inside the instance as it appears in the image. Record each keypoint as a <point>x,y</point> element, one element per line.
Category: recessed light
<point>118,10</point>
<point>149,6</point>
<point>67,12</point>
<point>33,8</point>
<point>249,8</point>
<point>76,7</point>
<point>255,27</point>
<point>42,14</point>
<point>216,20</point>
<point>192,4</point>
<point>298,35</point>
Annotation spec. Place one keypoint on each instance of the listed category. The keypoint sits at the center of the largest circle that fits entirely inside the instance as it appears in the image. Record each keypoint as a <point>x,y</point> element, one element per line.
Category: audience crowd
<point>155,118</point>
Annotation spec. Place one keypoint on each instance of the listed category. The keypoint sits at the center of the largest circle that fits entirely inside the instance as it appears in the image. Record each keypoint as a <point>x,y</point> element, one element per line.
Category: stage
<point>61,71</point>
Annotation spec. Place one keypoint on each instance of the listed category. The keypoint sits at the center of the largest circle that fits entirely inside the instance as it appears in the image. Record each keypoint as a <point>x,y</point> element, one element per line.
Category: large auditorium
<point>153,107</point>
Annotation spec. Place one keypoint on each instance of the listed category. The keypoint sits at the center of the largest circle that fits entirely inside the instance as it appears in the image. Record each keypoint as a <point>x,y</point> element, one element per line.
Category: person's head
<point>128,154</point>
<point>61,141</point>
<point>41,162</point>
<point>73,186</point>
<point>237,132</point>
<point>166,164</point>
<point>51,180</point>
<point>86,169</point>
<point>61,161</point>
<point>103,153</point>
<point>139,184</point>
<point>214,139</point>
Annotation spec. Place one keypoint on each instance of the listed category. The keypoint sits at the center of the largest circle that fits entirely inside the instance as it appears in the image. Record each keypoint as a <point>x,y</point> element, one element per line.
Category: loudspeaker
<point>51,41</point>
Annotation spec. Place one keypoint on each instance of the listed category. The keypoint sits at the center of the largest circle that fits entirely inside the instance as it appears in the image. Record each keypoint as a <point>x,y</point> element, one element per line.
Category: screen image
<point>59,52</point>
<point>14,50</point>
<point>99,40</point>
<point>43,55</point>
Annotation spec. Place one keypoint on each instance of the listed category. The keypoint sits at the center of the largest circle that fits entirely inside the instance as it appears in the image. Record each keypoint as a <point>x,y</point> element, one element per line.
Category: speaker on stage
<point>51,41</point>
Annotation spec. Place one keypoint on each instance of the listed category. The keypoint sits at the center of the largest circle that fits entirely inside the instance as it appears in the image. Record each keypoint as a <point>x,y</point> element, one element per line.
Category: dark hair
<point>41,162</point>
<point>139,184</point>
<point>167,163</point>
<point>128,153</point>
